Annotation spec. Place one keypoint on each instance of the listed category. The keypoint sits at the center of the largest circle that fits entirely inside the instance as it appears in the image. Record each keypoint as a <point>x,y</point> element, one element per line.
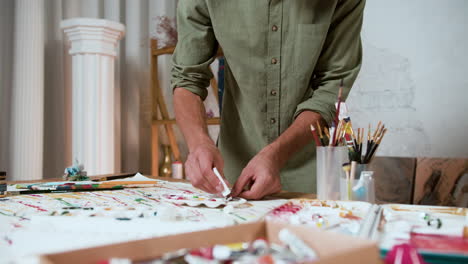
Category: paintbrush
<point>371,142</point>
<point>368,136</point>
<point>332,134</point>
<point>376,145</point>
<point>337,133</point>
<point>346,169</point>
<point>317,142</point>
<point>325,129</point>
<point>360,145</point>
<point>322,141</point>
<point>351,179</point>
<point>115,177</point>
<point>337,114</point>
<point>14,193</point>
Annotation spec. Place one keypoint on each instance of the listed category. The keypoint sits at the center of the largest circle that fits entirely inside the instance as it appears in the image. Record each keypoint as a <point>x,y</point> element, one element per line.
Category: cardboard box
<point>331,247</point>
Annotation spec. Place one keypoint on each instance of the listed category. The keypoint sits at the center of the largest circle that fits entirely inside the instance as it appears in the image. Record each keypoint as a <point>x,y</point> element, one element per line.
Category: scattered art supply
<point>436,232</point>
<point>291,250</point>
<point>117,182</point>
<point>75,173</point>
<point>341,216</point>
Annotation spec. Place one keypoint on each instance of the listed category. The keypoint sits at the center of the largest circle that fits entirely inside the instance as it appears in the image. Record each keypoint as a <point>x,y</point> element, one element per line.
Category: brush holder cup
<point>329,171</point>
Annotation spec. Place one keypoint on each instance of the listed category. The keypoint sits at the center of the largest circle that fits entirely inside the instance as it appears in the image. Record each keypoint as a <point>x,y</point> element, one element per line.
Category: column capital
<point>88,35</point>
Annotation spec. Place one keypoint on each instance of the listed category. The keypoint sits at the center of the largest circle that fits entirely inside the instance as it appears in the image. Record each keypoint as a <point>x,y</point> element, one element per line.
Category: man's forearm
<point>191,118</point>
<point>294,138</point>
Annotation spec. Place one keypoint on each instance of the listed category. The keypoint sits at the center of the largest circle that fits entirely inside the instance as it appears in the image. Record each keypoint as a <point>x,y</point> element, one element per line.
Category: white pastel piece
<point>226,190</point>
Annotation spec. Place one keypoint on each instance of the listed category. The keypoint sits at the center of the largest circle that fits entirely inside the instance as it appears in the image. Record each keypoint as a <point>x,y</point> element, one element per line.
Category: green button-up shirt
<point>282,58</point>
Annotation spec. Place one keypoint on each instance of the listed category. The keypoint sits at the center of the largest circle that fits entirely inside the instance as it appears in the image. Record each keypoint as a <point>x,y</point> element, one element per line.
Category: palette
<point>198,200</point>
<point>341,216</point>
<point>437,232</point>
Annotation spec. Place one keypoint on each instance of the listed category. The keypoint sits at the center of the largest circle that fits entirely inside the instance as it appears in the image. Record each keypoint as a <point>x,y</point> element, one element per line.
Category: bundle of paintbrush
<point>346,136</point>
<point>342,134</point>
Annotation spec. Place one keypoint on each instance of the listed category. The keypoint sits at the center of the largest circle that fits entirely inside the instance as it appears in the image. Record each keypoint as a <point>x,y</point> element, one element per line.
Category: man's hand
<point>203,154</point>
<point>262,173</point>
<point>199,167</point>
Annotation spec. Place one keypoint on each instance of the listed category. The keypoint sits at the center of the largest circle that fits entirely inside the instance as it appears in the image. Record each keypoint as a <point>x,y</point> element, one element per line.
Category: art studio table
<point>35,224</point>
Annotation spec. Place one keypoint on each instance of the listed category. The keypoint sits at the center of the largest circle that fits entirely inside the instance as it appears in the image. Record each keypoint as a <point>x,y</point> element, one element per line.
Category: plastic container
<point>364,189</point>
<point>329,171</point>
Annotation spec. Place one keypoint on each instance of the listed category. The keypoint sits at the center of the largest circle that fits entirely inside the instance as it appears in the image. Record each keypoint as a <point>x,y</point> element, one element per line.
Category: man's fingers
<point>212,182</point>
<point>243,180</point>
<point>196,177</point>
<point>219,164</point>
<point>255,193</point>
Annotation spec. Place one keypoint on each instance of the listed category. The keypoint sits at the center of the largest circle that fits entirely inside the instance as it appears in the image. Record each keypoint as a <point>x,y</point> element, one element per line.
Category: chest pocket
<point>307,48</point>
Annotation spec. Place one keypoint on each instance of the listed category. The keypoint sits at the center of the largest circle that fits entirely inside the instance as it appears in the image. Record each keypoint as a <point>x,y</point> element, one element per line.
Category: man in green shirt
<point>284,64</point>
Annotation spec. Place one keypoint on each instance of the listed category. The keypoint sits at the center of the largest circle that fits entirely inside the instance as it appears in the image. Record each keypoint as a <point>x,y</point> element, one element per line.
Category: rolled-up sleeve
<point>195,50</point>
<point>340,58</point>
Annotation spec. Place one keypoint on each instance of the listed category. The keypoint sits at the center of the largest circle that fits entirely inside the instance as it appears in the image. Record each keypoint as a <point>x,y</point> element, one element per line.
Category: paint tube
<point>116,261</point>
<point>201,255</point>
<point>230,251</point>
<point>172,257</point>
<point>260,246</point>
<point>296,245</point>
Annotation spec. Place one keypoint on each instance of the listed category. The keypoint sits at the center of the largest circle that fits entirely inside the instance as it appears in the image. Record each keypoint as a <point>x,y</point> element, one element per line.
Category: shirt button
<point>272,120</point>
<point>273,92</point>
<point>274,61</point>
<point>274,28</point>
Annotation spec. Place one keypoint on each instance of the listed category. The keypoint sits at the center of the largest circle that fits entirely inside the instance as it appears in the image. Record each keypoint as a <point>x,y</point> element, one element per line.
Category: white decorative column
<point>93,50</point>
<point>27,130</point>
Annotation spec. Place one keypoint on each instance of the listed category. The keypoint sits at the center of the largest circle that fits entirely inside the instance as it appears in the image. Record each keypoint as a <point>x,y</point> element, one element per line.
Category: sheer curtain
<point>35,82</point>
